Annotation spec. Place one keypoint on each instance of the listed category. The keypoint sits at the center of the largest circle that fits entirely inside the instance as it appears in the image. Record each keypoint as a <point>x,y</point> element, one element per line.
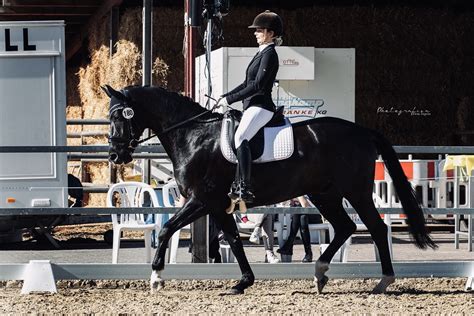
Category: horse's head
<point>124,131</point>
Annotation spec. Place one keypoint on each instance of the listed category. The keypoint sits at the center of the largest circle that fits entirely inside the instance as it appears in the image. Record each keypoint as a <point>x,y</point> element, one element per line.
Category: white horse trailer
<point>311,82</point>
<point>32,113</point>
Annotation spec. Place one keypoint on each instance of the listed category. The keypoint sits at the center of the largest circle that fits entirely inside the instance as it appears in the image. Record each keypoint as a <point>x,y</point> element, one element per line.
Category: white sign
<point>31,38</point>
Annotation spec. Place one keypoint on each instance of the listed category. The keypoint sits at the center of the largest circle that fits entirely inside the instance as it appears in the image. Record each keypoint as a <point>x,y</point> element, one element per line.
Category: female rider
<point>256,94</point>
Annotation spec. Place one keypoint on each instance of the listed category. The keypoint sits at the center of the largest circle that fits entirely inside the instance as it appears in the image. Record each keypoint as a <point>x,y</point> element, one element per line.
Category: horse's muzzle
<point>120,157</point>
<point>113,157</point>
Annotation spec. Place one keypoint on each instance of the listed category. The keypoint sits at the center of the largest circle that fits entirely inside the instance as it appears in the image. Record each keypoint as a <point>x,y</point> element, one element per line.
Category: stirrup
<point>246,193</point>
<point>234,192</point>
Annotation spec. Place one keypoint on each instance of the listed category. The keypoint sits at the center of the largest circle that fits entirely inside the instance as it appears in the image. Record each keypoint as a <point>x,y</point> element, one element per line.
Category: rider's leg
<point>245,167</point>
<point>253,119</point>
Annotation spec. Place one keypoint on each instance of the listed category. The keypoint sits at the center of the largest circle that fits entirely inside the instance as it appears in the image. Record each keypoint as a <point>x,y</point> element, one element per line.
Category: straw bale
<point>130,28</point>
<point>160,72</point>
<point>72,80</point>
<point>99,174</point>
<point>168,34</point>
<point>125,65</point>
<point>125,171</point>
<point>98,33</point>
<point>96,200</point>
<point>73,112</point>
<point>91,78</point>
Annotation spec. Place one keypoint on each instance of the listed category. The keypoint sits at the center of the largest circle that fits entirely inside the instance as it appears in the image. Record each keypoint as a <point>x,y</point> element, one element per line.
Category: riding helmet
<point>268,20</point>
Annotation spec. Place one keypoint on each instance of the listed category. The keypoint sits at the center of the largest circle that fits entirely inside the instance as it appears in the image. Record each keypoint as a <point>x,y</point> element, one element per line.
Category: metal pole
<point>199,229</point>
<point>114,26</point>
<point>208,60</point>
<point>146,65</point>
<point>456,206</point>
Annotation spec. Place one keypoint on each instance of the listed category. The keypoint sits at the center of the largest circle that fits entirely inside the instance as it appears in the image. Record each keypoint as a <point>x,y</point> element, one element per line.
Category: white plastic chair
<point>132,194</point>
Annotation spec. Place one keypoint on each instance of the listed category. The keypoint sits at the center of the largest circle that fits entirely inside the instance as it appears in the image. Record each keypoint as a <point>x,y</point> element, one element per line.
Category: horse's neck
<point>171,110</point>
<point>184,143</point>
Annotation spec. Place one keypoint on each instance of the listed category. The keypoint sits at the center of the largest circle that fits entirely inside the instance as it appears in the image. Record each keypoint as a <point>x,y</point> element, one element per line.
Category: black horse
<point>333,159</point>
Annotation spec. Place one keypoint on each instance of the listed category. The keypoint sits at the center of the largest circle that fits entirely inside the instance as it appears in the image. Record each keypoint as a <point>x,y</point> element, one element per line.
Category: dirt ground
<point>413,296</point>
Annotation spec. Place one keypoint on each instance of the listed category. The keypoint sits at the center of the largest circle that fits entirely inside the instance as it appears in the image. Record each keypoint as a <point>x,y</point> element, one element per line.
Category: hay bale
<point>98,33</point>
<point>94,101</point>
<point>73,112</point>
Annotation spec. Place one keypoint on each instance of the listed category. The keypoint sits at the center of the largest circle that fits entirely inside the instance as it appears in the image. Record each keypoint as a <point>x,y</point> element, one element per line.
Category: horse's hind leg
<point>369,215</point>
<point>330,206</point>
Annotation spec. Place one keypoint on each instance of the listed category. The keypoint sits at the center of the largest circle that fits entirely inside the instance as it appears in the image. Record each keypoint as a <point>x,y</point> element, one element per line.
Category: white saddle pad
<point>279,143</point>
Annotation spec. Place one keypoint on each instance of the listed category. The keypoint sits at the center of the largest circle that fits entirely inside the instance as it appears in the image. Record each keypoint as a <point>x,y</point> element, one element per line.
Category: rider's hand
<point>222,102</point>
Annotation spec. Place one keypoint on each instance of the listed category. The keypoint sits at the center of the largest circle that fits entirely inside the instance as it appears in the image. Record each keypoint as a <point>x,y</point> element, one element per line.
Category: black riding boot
<point>234,188</point>
<point>244,156</point>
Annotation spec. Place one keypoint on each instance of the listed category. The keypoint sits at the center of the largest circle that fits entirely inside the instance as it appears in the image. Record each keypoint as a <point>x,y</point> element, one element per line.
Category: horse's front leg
<point>192,210</point>
<point>231,234</point>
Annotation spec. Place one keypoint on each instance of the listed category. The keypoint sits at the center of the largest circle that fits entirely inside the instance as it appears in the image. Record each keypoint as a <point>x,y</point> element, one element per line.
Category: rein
<point>184,122</point>
<point>171,127</point>
<point>166,130</point>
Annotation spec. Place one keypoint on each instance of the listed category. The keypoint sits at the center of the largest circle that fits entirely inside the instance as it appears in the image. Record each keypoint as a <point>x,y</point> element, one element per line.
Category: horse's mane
<point>177,98</point>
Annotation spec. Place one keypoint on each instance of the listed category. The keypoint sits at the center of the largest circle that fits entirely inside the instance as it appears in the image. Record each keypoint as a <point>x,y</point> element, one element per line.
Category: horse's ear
<point>112,92</point>
<point>106,90</point>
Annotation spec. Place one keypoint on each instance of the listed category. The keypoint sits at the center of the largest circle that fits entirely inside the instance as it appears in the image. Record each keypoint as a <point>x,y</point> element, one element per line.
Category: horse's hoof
<point>236,291</point>
<point>157,286</point>
<point>156,282</point>
<point>320,283</point>
<point>381,288</point>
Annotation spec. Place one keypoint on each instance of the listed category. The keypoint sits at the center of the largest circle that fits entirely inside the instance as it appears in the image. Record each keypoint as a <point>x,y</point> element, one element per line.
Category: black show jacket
<point>256,90</point>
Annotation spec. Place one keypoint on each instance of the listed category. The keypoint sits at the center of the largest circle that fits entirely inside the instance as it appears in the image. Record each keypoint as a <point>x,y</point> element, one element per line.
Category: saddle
<point>271,143</point>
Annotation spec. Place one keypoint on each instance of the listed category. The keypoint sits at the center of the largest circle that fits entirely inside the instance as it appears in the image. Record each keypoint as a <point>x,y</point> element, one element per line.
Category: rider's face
<point>263,36</point>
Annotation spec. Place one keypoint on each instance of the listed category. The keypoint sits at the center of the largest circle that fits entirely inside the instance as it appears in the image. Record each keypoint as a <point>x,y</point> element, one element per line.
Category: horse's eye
<point>116,116</point>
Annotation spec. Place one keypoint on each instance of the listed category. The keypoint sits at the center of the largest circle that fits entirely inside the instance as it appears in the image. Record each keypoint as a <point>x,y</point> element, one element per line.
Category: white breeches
<point>253,119</point>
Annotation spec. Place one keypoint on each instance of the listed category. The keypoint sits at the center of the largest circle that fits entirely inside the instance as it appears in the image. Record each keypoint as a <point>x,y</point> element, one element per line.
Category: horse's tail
<point>406,193</point>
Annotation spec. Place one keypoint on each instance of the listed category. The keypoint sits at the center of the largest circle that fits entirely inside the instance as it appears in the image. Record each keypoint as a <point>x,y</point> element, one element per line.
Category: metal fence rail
<point>208,271</point>
<point>159,149</point>
<point>172,210</point>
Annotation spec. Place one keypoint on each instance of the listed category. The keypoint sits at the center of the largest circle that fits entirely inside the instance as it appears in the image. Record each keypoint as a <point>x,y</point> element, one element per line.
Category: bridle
<point>128,138</point>
<point>127,113</point>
